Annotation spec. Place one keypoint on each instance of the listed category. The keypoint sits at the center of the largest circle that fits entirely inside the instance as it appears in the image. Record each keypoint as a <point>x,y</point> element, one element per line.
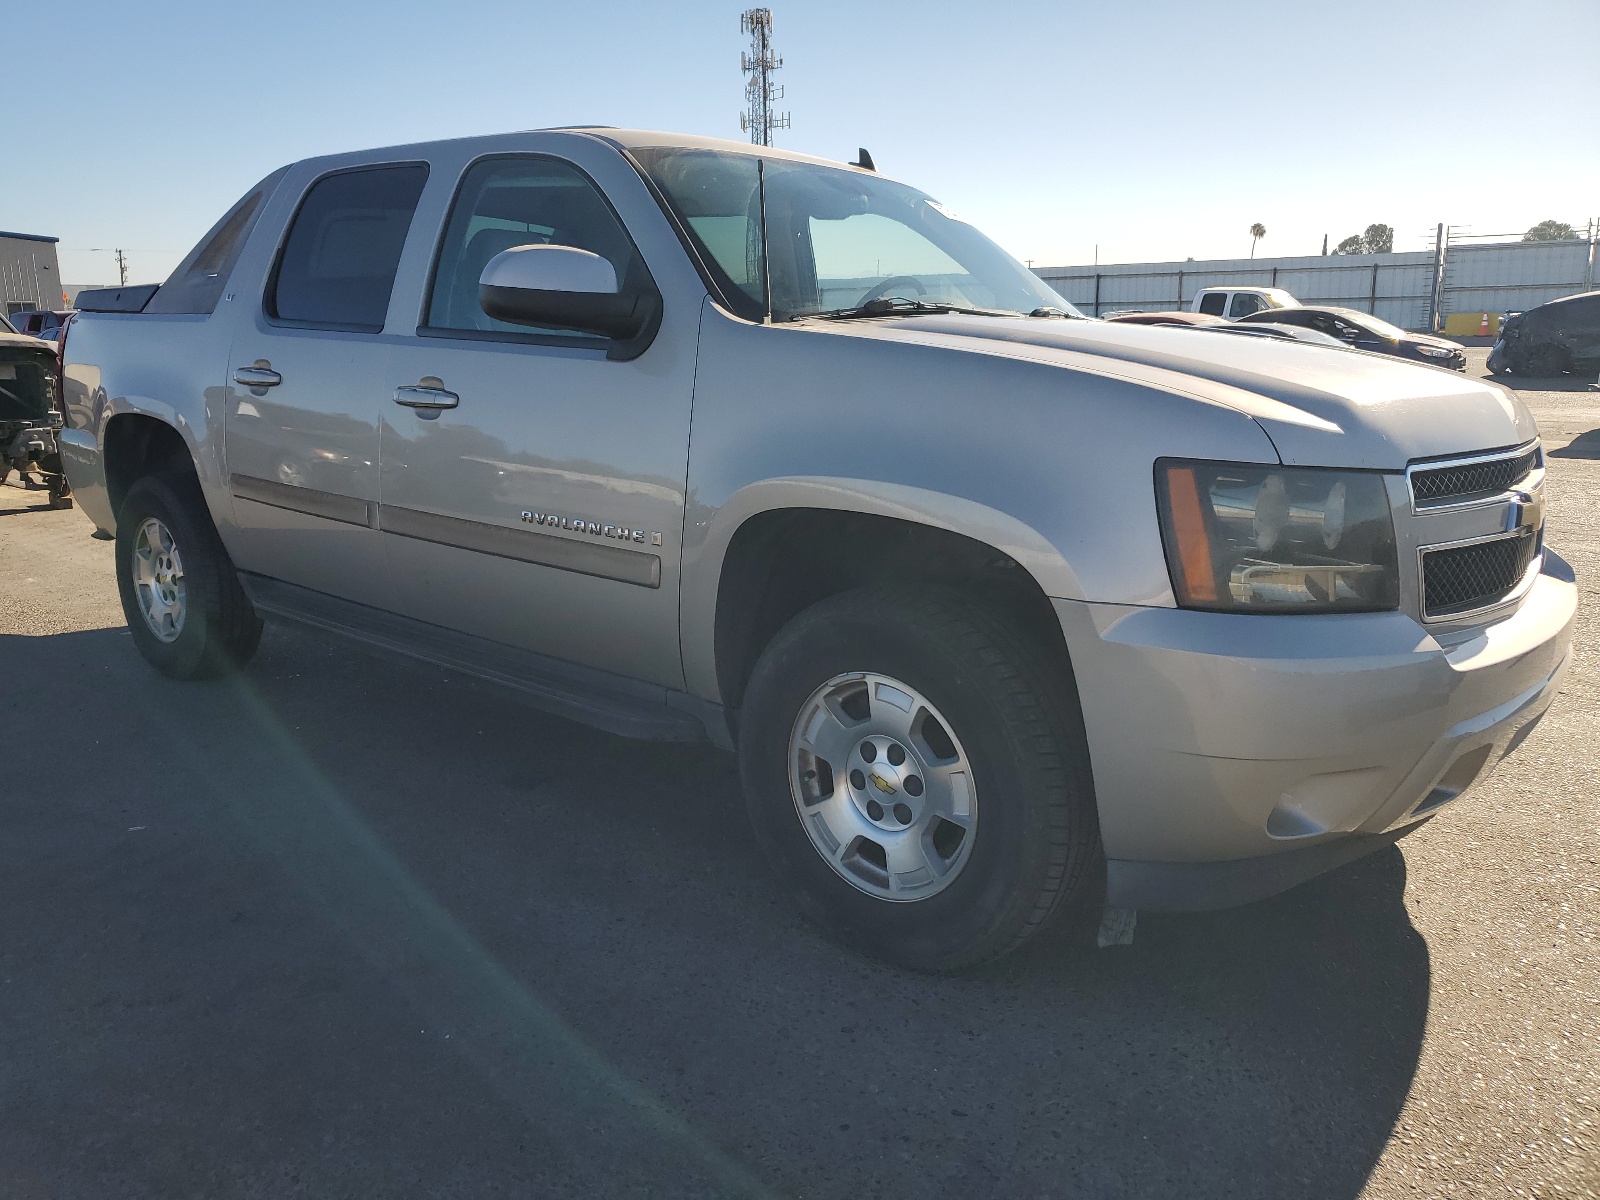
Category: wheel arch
<point>134,444</point>
<point>781,545</point>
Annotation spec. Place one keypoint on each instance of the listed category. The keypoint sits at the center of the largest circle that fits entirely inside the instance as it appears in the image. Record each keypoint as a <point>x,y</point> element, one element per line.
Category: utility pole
<point>122,268</point>
<point>758,119</point>
<point>1437,293</point>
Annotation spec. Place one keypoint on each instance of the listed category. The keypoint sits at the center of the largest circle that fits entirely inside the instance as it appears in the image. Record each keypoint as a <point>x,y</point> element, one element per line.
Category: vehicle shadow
<point>1556,383</point>
<point>1585,445</point>
<point>335,852</point>
<point>13,500</point>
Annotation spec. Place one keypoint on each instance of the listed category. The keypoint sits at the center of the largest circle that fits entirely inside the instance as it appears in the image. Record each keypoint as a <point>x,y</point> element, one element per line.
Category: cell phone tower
<point>759,62</point>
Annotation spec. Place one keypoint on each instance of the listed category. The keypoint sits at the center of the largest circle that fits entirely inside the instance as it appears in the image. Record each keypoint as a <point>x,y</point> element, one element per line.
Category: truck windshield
<point>839,239</point>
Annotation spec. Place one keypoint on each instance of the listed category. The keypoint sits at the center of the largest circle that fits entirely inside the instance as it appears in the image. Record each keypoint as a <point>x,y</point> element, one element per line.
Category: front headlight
<point>1436,352</point>
<point>1243,537</point>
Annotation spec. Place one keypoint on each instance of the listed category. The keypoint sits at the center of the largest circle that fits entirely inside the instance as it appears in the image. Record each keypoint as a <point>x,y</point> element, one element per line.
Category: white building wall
<point>1497,277</point>
<point>30,276</point>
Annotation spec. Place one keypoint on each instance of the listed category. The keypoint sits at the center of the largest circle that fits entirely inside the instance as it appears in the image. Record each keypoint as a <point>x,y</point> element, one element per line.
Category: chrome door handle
<point>419,396</point>
<point>259,376</point>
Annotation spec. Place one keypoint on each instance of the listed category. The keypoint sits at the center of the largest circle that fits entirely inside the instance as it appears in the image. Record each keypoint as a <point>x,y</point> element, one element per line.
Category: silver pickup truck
<point>1004,610</point>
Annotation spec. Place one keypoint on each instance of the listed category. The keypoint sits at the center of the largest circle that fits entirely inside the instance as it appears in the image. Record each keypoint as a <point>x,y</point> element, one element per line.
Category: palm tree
<point>1257,232</point>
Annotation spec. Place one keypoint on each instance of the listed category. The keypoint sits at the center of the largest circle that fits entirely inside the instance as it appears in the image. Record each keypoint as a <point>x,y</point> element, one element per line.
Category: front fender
<point>711,532</point>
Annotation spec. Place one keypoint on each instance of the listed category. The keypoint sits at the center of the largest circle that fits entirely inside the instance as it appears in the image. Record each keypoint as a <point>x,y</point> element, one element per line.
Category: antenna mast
<point>758,63</point>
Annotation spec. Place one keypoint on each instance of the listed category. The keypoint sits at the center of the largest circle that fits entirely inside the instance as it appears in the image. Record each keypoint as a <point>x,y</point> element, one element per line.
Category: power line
<point>122,260</point>
<point>758,119</point>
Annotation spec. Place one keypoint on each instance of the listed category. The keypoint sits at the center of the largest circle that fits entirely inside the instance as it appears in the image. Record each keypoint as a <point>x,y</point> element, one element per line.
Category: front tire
<point>180,594</point>
<point>916,765</point>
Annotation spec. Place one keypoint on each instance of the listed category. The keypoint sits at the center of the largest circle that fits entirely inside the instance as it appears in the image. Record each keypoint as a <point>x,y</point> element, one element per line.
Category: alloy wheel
<point>882,786</point>
<point>158,580</point>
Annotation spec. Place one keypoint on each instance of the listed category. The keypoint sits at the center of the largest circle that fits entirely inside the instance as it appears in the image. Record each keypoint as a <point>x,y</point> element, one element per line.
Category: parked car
<point>42,323</point>
<point>1561,336</point>
<point>1283,332</point>
<point>1366,332</point>
<point>995,604</point>
<point>1234,303</point>
<point>1205,321</point>
<point>29,417</point>
<point>1175,317</point>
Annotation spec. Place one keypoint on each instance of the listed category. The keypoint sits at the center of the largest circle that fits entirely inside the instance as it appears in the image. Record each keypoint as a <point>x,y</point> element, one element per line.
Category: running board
<point>616,704</point>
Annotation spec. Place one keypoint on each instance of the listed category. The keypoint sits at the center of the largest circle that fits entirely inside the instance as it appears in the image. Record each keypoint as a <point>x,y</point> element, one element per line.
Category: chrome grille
<point>1460,579</point>
<point>1449,483</point>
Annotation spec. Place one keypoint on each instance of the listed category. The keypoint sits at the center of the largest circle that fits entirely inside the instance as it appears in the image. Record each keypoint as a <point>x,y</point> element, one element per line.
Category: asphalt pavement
<point>349,927</point>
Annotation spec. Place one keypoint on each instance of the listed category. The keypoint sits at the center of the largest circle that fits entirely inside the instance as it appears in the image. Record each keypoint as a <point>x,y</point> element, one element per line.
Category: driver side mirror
<point>562,287</point>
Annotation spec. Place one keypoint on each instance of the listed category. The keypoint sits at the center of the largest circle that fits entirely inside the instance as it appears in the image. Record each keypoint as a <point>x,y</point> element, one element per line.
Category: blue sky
<point>1152,130</point>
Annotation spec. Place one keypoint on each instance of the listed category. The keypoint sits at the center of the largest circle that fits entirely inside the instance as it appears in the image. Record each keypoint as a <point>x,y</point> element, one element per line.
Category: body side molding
<point>526,545</point>
<point>350,510</point>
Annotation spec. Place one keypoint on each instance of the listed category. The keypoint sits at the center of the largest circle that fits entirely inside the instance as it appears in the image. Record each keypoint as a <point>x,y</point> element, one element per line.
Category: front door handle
<point>427,394</point>
<point>258,375</point>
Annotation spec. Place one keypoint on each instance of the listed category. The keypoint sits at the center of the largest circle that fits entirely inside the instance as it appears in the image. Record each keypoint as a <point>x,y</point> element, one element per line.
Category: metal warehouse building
<point>1415,290</point>
<point>30,276</point>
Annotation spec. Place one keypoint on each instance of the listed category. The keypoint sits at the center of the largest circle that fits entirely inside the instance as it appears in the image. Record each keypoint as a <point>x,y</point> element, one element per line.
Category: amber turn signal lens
<point>1196,576</point>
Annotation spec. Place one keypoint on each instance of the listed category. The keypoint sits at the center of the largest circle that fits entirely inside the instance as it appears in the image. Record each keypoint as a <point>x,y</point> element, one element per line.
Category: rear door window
<point>1213,303</point>
<point>337,266</point>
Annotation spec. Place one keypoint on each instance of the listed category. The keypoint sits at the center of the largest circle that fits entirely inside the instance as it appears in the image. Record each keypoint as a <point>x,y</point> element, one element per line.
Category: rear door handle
<point>421,396</point>
<point>261,375</point>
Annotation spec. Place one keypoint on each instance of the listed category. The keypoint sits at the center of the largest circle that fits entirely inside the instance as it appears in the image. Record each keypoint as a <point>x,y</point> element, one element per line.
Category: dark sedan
<point>1552,339</point>
<point>1169,317</point>
<point>1361,331</point>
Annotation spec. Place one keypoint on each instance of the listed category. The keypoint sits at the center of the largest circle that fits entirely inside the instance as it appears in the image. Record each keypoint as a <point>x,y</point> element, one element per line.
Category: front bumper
<point>1237,755</point>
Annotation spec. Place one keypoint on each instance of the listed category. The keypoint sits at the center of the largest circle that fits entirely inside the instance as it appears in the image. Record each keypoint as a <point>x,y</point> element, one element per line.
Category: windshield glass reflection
<point>838,238</point>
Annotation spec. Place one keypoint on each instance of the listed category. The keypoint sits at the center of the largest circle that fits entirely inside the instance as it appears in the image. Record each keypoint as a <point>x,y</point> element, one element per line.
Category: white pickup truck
<point>1233,303</point>
<point>1004,610</point>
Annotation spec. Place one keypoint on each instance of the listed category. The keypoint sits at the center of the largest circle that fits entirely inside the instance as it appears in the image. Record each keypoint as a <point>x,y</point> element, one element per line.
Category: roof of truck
<point>631,139</point>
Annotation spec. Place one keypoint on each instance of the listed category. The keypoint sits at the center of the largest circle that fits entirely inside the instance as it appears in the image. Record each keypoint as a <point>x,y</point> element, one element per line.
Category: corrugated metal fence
<point>1496,277</point>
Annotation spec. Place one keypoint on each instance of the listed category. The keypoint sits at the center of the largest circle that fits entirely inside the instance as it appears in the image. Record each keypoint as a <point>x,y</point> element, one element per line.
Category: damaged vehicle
<point>1554,339</point>
<point>29,416</point>
<point>1005,612</point>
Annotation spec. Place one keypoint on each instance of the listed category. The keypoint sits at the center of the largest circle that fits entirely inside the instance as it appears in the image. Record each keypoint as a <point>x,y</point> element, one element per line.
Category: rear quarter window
<point>198,283</point>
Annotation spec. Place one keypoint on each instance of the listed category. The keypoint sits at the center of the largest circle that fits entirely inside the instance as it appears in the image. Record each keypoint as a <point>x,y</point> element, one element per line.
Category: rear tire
<point>180,593</point>
<point>1004,712</point>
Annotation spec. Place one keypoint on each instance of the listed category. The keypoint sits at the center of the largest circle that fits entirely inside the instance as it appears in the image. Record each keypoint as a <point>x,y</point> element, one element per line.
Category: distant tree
<point>1551,231</point>
<point>1379,239</point>
<point>1257,232</point>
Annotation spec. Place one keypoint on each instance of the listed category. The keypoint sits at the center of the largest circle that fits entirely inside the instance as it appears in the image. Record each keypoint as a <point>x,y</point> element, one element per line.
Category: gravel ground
<point>351,928</point>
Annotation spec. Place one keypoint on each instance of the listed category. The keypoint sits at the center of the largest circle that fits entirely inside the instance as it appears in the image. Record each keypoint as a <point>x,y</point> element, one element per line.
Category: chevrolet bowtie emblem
<point>882,784</point>
<point>1526,511</point>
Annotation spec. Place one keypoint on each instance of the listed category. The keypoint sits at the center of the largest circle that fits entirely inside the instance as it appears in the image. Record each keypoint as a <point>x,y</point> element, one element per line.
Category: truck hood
<point>1320,405</point>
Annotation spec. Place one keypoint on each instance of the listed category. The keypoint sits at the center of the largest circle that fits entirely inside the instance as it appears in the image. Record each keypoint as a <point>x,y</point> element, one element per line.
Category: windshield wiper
<point>889,306</point>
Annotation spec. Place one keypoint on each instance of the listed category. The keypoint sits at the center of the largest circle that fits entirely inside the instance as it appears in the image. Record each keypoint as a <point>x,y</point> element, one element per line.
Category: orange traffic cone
<point>1483,326</point>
